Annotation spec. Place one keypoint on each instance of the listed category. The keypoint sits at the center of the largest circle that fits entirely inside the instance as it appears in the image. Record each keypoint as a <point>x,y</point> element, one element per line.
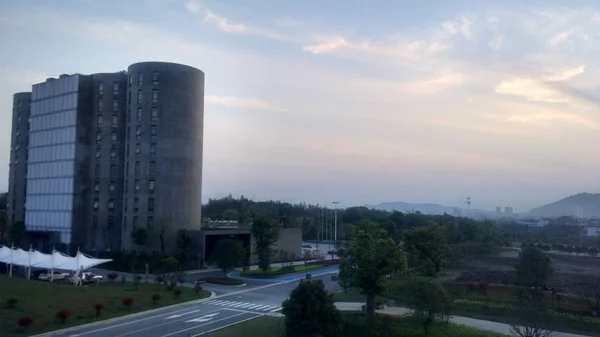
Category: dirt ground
<point>570,275</point>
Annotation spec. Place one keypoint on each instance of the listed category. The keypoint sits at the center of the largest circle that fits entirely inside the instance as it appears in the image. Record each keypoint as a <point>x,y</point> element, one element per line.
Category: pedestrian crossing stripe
<point>243,305</point>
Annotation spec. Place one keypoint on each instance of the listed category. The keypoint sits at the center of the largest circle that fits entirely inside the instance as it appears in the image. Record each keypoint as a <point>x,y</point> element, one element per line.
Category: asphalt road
<point>198,317</point>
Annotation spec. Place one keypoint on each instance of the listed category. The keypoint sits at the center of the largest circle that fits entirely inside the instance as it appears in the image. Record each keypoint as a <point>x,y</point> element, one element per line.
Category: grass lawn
<point>285,270</point>
<point>355,325</point>
<point>42,300</point>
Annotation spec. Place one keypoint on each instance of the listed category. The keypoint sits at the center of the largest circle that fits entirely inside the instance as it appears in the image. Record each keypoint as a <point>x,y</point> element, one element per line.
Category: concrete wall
<point>290,240</point>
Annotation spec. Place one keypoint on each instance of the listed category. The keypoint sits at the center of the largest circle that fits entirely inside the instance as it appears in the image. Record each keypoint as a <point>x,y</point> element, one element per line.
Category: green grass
<point>41,300</point>
<point>285,270</point>
<point>355,325</point>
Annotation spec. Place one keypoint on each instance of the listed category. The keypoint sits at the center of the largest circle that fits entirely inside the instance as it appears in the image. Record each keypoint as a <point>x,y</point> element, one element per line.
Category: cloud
<point>560,38</point>
<point>462,26</point>
<point>243,103</point>
<point>192,6</point>
<point>497,42</point>
<point>224,24</point>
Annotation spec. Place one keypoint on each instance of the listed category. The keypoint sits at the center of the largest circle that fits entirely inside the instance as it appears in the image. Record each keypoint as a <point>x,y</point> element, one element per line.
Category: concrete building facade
<point>106,153</point>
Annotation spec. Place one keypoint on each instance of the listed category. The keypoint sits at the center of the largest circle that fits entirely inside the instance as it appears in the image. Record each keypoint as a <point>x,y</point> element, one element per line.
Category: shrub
<point>62,315</point>
<point>198,289</point>
<point>98,306</point>
<point>177,292</point>
<point>127,301</point>
<point>471,285</point>
<point>25,321</point>
<point>112,276</point>
<point>155,298</point>
<point>11,303</point>
<point>483,286</point>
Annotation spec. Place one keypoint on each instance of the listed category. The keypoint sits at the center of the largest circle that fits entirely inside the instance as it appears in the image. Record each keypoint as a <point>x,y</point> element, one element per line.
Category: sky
<point>351,101</point>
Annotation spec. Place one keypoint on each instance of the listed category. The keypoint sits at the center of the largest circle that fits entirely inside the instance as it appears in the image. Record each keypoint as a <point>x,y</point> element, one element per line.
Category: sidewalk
<point>475,323</point>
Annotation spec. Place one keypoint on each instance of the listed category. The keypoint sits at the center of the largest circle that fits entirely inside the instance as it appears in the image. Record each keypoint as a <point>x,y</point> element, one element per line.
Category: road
<point>198,317</point>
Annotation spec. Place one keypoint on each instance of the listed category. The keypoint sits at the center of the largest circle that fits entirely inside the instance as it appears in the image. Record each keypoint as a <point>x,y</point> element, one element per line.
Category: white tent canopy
<point>56,260</point>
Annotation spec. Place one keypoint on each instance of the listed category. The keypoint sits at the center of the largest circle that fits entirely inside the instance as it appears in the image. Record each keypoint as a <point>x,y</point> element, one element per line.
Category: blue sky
<point>355,101</point>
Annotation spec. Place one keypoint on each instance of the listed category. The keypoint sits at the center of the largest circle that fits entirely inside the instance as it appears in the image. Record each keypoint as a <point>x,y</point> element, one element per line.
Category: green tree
<point>16,232</point>
<point>310,312</point>
<point>231,214</point>
<point>139,236</point>
<point>429,300</point>
<point>367,261</point>
<point>183,242</point>
<point>266,233</point>
<point>228,253</point>
<point>534,268</point>
<point>426,248</point>
<point>171,272</point>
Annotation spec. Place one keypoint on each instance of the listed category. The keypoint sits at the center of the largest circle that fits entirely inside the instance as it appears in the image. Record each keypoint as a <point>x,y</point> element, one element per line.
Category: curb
<point>117,319</point>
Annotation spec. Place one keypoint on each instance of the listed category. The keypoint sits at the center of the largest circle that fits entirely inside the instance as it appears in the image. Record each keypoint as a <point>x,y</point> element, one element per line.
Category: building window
<point>113,153</point>
<point>135,221</point>
<point>115,105</point>
<point>155,77</point>
<point>138,148</point>
<point>100,105</point>
<point>154,95</point>
<point>18,118</point>
<point>139,114</point>
<point>113,136</point>
<point>137,168</point>
<point>111,204</point>
<point>130,80</point>
<point>96,204</point>
<point>98,137</point>
<point>154,113</point>
<point>98,152</point>
<point>100,88</point>
<point>96,187</point>
<point>150,204</point>
<point>140,79</point>
<point>111,186</point>
<point>99,121</point>
<point>151,185</point>
<point>137,185</point>
<point>140,97</point>
<point>153,132</point>
<point>138,132</point>
<point>125,189</point>
<point>125,207</point>
<point>115,121</point>
<point>152,148</point>
<point>95,222</point>
<point>113,170</point>
<point>136,204</point>
<point>110,222</point>
<point>150,222</point>
<point>152,168</point>
<point>115,88</point>
<point>125,222</point>
<point>97,170</point>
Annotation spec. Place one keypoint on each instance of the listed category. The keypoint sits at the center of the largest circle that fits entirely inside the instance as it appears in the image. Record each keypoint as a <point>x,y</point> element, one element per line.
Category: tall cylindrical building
<point>163,150</point>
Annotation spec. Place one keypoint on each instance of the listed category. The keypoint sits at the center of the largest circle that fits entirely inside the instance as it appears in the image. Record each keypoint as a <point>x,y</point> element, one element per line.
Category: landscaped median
<point>225,281</point>
<point>30,307</point>
<point>286,270</point>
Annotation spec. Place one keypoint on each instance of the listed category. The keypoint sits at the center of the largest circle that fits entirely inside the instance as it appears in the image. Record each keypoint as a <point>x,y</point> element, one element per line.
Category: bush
<point>155,298</point>
<point>24,322</point>
<point>483,286</point>
<point>127,301</point>
<point>228,281</point>
<point>62,315</point>
<point>98,306</point>
<point>198,289</point>
<point>177,293</point>
<point>11,303</point>
<point>271,272</point>
<point>112,276</point>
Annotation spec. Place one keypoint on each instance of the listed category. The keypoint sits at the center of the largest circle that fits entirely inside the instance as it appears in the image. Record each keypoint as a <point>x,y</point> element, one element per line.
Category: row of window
<point>115,88</point>
<point>113,153</point>
<point>151,168</point>
<point>153,114</point>
<point>53,104</point>
<point>111,186</point>
<point>100,121</point>
<point>136,186</point>
<point>111,204</point>
<point>134,222</point>
<point>113,170</point>
<point>115,105</point>
<point>113,136</point>
<point>140,78</point>
<point>110,222</point>
<point>136,205</point>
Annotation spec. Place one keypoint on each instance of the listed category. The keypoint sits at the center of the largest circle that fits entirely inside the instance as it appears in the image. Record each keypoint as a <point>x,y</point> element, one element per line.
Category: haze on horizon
<point>343,100</point>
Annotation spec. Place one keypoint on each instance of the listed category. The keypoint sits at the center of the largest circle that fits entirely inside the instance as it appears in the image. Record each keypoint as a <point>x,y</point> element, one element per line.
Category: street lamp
<point>335,203</point>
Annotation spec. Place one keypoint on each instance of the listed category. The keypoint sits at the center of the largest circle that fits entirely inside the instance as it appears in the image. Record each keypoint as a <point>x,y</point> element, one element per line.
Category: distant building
<point>498,210</point>
<point>457,212</point>
<point>508,210</point>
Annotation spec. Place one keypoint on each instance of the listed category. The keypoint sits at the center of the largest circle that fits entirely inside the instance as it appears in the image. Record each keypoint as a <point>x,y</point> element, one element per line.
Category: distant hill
<point>426,208</point>
<point>586,204</point>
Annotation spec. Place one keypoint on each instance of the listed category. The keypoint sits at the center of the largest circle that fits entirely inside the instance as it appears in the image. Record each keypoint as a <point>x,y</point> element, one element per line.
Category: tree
<point>170,272</point>
<point>139,236</point>
<point>231,214</point>
<point>16,232</point>
<point>591,294</point>
<point>184,242</point>
<point>367,261</point>
<point>228,253</point>
<point>266,233</point>
<point>530,320</point>
<point>429,300</point>
<point>534,268</point>
<point>310,311</point>
<point>426,248</point>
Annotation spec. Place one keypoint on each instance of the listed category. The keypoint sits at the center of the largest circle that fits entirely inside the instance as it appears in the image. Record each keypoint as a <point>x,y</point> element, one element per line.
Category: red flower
<point>177,292</point>
<point>98,306</point>
<point>471,285</point>
<point>62,315</point>
<point>25,321</point>
<point>127,301</point>
<point>155,298</point>
<point>112,277</point>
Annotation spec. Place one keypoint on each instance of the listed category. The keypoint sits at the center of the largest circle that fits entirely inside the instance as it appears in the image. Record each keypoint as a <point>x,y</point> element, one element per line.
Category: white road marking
<point>201,325</point>
<point>185,313</point>
<point>204,318</point>
<point>162,324</point>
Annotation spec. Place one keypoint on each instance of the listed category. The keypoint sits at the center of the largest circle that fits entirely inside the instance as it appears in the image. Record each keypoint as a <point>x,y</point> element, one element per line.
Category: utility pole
<point>469,207</point>
<point>335,203</point>
<point>318,230</point>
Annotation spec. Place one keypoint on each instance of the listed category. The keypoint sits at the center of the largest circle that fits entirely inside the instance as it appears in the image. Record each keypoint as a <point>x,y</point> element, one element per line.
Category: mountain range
<point>582,204</point>
<point>426,208</point>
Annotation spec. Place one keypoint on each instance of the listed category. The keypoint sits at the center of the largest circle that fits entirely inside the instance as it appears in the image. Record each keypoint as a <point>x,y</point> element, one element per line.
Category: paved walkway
<point>475,323</point>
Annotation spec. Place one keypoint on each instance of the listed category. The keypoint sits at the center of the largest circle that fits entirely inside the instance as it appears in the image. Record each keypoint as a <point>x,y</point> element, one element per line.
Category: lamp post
<point>335,203</point>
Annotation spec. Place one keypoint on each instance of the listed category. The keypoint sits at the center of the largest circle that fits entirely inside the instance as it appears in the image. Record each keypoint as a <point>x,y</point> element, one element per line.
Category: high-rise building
<point>106,153</point>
